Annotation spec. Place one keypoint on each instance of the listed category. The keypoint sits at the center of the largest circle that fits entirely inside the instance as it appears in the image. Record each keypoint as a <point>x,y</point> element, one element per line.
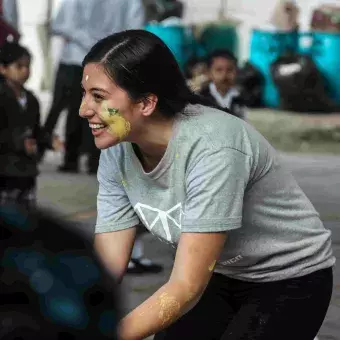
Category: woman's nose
<point>84,110</point>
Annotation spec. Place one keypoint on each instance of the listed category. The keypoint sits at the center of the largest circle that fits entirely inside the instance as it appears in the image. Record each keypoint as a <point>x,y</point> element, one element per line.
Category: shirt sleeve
<point>215,187</point>
<point>66,24</point>
<point>114,210</point>
<point>10,12</point>
<point>135,15</point>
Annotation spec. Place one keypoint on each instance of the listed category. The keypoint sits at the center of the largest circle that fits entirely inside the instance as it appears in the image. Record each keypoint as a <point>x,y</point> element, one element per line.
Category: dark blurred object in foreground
<point>250,82</point>
<point>51,284</point>
<point>301,85</point>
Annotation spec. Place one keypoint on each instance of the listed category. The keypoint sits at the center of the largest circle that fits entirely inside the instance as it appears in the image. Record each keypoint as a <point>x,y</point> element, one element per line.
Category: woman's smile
<point>97,128</point>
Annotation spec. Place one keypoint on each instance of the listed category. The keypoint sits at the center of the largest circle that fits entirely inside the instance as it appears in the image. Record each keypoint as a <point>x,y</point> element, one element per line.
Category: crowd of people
<point>165,141</point>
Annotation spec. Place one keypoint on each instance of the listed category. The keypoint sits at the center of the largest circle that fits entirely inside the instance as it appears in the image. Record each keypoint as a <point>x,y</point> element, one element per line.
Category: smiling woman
<point>115,96</point>
<point>211,186</point>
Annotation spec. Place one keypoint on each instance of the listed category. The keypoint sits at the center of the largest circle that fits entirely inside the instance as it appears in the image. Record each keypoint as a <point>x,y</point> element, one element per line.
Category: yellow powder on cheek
<point>169,308</point>
<point>212,266</point>
<point>117,124</point>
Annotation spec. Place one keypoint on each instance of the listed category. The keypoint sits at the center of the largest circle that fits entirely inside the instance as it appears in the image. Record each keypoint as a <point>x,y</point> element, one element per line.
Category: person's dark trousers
<point>78,132</point>
<point>230,309</point>
<point>61,96</point>
<point>67,95</point>
<point>74,123</point>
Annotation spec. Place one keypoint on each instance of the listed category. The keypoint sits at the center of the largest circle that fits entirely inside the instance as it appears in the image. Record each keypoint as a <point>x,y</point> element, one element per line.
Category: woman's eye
<point>97,97</point>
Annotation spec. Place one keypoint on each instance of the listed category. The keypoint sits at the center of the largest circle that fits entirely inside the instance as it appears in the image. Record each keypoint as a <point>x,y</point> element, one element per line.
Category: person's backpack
<point>249,80</point>
<point>301,85</point>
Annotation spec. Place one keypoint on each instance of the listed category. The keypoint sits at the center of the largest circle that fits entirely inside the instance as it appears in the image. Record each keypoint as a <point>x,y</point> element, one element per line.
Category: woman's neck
<point>153,141</point>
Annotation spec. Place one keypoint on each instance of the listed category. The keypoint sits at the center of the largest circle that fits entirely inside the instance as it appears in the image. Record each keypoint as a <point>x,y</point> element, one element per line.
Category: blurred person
<point>252,254</point>
<point>21,136</point>
<point>52,284</point>
<point>82,23</point>
<point>196,73</point>
<point>222,66</point>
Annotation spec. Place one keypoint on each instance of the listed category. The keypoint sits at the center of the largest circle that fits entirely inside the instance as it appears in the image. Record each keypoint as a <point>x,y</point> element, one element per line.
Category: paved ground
<point>319,176</point>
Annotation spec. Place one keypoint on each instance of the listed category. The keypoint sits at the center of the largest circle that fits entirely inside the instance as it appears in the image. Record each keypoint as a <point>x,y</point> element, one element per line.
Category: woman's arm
<point>116,219</point>
<point>114,249</point>
<point>215,187</point>
<point>195,260</point>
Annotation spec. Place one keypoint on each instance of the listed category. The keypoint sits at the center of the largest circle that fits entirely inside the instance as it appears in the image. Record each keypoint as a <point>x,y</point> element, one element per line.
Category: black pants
<point>229,309</point>
<point>68,95</point>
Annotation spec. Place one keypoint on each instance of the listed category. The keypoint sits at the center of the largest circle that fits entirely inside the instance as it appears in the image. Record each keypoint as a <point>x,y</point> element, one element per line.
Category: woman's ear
<point>148,104</point>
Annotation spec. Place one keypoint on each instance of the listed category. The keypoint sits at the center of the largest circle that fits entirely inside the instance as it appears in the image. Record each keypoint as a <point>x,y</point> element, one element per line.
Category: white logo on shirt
<point>233,260</point>
<point>165,217</point>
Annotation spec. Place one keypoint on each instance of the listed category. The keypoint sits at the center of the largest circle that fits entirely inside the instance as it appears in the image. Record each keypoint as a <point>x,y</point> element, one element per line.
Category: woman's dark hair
<point>141,64</point>
<point>221,53</point>
<point>10,52</point>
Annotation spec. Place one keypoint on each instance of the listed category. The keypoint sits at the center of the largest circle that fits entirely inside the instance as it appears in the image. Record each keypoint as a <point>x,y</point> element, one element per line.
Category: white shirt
<point>228,100</point>
<point>83,22</point>
<point>10,12</point>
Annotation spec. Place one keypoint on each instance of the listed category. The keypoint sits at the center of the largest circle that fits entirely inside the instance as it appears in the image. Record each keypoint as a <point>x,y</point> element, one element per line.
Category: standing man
<point>82,23</point>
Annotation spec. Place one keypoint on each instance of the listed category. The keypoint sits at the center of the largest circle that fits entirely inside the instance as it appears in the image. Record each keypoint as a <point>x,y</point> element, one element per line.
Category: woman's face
<point>111,114</point>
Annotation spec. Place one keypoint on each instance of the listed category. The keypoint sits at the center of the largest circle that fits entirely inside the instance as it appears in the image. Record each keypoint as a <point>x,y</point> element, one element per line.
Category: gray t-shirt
<point>217,174</point>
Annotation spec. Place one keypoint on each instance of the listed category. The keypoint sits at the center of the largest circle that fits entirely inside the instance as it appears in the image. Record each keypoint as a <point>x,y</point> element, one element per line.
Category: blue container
<point>305,43</point>
<point>179,39</point>
<point>265,48</point>
<point>326,54</point>
<point>221,36</point>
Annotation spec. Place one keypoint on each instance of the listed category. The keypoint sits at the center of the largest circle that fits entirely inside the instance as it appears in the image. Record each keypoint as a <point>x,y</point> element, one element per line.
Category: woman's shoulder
<point>114,154</point>
<point>219,127</point>
<point>209,130</point>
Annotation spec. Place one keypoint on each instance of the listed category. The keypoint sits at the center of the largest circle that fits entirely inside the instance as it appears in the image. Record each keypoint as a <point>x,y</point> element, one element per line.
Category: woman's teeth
<point>96,126</point>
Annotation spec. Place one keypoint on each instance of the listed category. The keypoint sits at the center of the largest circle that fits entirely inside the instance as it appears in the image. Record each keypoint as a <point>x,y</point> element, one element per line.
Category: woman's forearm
<point>162,309</point>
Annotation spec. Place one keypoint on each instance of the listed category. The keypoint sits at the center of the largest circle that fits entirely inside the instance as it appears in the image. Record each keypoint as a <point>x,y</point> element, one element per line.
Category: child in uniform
<point>20,134</point>
<point>222,89</point>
